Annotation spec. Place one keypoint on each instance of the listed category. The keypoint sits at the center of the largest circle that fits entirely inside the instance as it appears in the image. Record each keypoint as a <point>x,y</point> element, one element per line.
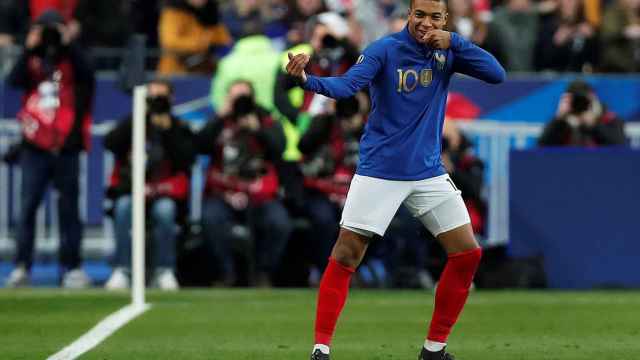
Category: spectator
<point>330,149</point>
<point>466,172</point>
<point>14,22</point>
<point>593,12</point>
<point>375,17</point>
<point>515,26</point>
<point>170,154</point>
<point>299,12</point>
<point>332,55</point>
<point>620,38</point>
<point>466,21</point>
<point>251,58</point>
<point>566,42</point>
<point>146,16</point>
<point>241,13</point>
<point>582,120</point>
<point>189,33</point>
<point>58,86</point>
<point>398,21</point>
<point>105,23</point>
<point>242,183</point>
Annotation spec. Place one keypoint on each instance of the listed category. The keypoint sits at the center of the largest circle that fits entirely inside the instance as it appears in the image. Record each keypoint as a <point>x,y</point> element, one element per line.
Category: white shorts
<point>372,203</point>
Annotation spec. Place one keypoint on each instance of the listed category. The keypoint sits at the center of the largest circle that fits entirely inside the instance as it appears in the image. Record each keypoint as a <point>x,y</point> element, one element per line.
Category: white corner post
<point>138,159</point>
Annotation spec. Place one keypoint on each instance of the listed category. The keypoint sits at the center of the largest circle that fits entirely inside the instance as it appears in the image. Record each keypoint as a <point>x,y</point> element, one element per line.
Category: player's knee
<point>350,249</point>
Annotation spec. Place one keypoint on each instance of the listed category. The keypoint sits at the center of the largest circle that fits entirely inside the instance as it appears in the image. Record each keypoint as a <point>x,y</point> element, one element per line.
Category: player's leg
<point>439,206</point>
<point>334,286</point>
<point>453,288</point>
<point>363,215</point>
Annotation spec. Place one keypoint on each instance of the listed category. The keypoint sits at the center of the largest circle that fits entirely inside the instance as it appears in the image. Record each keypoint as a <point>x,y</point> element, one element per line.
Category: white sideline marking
<point>101,331</point>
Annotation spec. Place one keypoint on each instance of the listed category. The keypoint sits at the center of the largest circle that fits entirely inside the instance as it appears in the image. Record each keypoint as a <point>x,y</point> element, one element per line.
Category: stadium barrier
<point>492,140</point>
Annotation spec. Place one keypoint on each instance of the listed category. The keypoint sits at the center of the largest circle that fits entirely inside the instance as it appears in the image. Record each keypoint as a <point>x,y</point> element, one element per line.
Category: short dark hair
<point>445,2</point>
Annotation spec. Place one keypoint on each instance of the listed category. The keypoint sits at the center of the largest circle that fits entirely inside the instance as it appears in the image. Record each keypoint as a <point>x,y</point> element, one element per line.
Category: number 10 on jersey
<point>408,79</point>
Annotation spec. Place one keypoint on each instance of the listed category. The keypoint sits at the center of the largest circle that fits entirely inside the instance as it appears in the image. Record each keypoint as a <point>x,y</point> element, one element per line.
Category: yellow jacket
<point>182,36</point>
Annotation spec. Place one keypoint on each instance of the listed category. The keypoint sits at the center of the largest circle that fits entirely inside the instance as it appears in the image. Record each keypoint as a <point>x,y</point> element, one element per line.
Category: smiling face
<point>426,15</point>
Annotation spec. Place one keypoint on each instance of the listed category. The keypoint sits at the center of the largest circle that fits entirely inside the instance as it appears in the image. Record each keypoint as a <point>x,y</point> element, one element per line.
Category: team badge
<point>360,59</point>
<point>426,76</point>
<point>441,59</point>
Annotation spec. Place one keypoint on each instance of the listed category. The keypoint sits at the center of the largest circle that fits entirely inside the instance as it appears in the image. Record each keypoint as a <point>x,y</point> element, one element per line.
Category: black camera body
<point>331,53</point>
<point>580,97</point>
<point>158,105</point>
<point>580,103</point>
<point>243,106</point>
<point>51,45</point>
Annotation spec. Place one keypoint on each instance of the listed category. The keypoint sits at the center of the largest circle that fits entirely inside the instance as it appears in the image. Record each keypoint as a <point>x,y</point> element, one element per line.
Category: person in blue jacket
<point>408,76</point>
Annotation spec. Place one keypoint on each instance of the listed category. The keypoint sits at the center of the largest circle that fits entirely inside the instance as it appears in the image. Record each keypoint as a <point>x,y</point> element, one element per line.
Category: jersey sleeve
<point>359,75</point>
<point>469,59</point>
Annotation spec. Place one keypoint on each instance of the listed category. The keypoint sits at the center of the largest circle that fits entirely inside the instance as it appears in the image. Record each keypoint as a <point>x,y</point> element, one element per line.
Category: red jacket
<point>242,162</point>
<point>66,8</point>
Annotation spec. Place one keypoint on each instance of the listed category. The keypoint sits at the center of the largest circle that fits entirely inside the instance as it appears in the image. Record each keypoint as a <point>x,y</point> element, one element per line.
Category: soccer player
<point>408,74</point>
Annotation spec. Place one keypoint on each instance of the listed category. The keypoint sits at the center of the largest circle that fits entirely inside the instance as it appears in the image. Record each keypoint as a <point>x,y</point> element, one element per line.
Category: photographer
<point>331,55</point>
<point>190,35</point>
<point>582,120</point>
<point>330,156</point>
<point>244,144</point>
<point>170,155</point>
<point>466,171</point>
<point>58,86</point>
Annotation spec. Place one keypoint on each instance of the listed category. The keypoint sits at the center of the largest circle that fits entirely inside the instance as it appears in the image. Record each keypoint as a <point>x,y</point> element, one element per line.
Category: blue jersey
<point>408,84</point>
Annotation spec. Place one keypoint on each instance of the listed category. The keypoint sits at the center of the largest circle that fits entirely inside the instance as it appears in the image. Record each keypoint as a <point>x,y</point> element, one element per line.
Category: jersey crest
<point>441,60</point>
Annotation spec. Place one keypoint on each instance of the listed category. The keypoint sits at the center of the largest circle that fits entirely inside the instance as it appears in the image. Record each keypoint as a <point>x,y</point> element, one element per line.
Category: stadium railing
<point>492,140</point>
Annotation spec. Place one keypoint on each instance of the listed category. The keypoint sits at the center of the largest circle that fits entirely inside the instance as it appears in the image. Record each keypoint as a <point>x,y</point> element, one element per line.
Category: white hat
<point>338,25</point>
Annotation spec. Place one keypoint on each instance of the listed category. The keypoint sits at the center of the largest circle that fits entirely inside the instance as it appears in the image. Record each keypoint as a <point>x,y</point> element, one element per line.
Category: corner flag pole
<point>138,159</point>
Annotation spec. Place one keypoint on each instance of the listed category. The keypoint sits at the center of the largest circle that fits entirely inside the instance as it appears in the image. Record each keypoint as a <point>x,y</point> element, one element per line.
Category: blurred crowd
<point>279,160</point>
<point>525,35</point>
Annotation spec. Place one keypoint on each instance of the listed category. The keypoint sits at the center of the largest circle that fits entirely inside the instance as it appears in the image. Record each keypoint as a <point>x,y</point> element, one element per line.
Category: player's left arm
<point>470,59</point>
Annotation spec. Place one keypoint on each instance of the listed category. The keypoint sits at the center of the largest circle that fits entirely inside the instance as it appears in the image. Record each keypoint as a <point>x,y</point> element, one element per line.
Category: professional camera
<point>243,106</point>
<point>580,97</point>
<point>51,45</point>
<point>158,105</point>
<point>239,158</point>
<point>332,52</point>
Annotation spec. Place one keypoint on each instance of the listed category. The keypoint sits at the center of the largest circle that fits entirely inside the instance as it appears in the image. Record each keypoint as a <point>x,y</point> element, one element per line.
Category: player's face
<point>426,15</point>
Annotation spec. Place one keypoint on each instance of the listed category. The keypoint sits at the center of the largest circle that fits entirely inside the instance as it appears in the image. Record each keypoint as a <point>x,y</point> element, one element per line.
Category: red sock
<point>452,292</point>
<point>332,294</point>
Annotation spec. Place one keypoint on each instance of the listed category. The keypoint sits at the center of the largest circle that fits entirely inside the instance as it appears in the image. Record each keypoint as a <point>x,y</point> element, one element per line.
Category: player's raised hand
<point>437,39</point>
<point>296,66</point>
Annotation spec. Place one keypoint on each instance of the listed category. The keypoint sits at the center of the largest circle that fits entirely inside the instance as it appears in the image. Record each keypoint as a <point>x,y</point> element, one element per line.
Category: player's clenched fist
<point>437,39</point>
<point>296,66</point>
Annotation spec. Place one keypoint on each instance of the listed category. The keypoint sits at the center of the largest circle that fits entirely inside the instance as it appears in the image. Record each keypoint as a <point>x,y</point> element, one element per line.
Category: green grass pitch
<point>278,324</point>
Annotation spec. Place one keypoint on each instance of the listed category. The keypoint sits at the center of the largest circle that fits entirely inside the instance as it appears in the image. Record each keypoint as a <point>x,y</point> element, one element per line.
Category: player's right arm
<point>358,76</point>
